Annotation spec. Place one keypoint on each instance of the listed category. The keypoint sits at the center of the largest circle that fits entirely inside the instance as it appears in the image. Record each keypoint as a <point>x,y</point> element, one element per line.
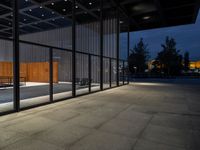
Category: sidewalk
<point>140,116</point>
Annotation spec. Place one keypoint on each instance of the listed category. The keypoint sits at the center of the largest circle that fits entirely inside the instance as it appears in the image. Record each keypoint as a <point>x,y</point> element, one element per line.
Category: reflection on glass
<point>62,74</point>
<point>34,75</point>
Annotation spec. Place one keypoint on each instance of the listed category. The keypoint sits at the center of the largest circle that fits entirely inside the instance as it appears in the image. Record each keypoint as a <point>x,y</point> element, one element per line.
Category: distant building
<point>195,64</point>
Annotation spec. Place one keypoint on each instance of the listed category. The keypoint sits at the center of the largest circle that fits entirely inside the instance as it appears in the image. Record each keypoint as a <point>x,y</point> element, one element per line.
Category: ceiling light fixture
<point>90,3</point>
<point>64,9</point>
<point>146,17</point>
<point>40,7</point>
<point>52,3</point>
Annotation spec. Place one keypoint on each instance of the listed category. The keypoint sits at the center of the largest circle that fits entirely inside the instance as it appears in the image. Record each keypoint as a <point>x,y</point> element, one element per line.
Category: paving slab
<point>104,141</point>
<point>139,116</point>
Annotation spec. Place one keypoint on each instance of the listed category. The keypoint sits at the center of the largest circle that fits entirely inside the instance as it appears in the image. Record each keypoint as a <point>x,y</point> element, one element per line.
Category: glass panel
<point>95,73</point>
<point>6,56</point>
<point>34,75</point>
<point>49,24</point>
<point>121,73</point>
<point>62,74</point>
<point>87,42</point>
<point>82,75</point>
<point>126,72</point>
<point>106,73</point>
<point>114,72</point>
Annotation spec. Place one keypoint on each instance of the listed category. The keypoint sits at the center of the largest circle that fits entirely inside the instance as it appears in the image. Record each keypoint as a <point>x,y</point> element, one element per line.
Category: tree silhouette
<point>169,58</point>
<point>138,57</point>
<point>186,61</point>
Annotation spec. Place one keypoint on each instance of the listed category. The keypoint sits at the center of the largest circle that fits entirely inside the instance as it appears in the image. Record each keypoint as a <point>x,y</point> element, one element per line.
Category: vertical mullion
<point>73,49</point>
<point>123,72</point>
<point>89,71</point>
<point>101,45</point>
<point>118,30</point>
<point>16,66</point>
<point>110,75</point>
<point>128,51</point>
<point>51,73</point>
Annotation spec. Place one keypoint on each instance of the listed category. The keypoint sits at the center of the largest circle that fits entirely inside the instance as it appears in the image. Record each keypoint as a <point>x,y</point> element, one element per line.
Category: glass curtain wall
<point>87,47</point>
<point>45,59</point>
<point>6,56</point>
<point>109,46</point>
<point>123,51</point>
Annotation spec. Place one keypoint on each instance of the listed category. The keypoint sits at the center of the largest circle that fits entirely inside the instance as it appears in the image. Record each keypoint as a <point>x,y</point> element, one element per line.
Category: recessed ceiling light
<point>90,3</point>
<point>146,17</point>
<point>53,19</point>
<point>40,7</point>
<point>53,12</point>
<point>76,6</point>
<point>63,17</point>
<point>30,9</point>
<point>64,9</point>
<point>52,3</point>
<point>24,19</point>
<point>65,0</point>
<point>42,15</point>
<point>26,0</point>
<point>121,22</point>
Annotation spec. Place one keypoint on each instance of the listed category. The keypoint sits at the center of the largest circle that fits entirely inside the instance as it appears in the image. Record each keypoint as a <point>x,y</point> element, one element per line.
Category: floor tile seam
<point>141,132</point>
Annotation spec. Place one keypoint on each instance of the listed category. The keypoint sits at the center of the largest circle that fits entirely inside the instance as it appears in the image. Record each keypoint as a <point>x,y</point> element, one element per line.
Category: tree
<point>186,61</point>
<point>169,58</point>
<point>138,58</point>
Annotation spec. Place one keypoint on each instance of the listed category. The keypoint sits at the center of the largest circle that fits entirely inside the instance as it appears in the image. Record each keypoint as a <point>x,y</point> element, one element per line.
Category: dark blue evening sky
<point>187,39</point>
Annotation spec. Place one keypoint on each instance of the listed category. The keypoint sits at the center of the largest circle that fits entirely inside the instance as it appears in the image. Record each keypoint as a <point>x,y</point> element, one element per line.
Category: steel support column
<point>118,32</point>
<point>89,72</point>
<point>51,74</point>
<point>123,72</point>
<point>110,69</point>
<point>101,45</point>
<point>73,48</point>
<point>128,51</point>
<point>16,66</point>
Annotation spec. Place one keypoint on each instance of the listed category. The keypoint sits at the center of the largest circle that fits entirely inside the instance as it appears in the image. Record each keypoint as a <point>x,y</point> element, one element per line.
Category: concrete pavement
<point>140,116</point>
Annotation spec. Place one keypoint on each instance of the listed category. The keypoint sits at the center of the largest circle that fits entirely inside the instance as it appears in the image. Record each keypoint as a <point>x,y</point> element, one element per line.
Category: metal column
<point>51,74</point>
<point>73,48</point>
<point>128,51</point>
<point>16,66</point>
<point>118,30</point>
<point>101,46</point>
<point>89,71</point>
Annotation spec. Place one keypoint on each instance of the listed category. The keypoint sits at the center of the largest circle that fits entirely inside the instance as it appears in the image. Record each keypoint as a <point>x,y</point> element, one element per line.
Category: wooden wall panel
<point>33,72</point>
<point>39,72</point>
<point>6,69</point>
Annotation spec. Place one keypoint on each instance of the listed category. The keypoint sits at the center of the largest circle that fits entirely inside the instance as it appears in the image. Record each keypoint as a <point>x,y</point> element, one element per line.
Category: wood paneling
<point>6,69</point>
<point>33,72</point>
